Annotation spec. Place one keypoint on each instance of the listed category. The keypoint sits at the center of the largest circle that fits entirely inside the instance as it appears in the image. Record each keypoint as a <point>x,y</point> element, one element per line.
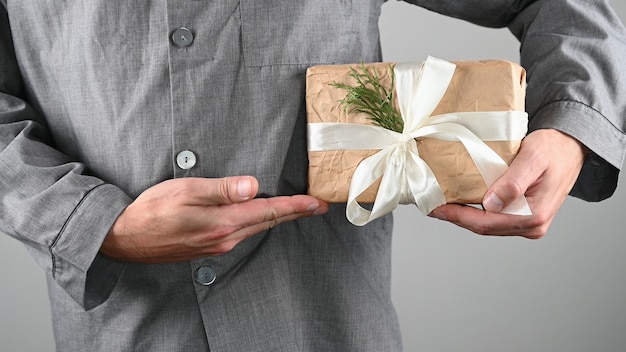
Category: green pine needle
<point>371,98</point>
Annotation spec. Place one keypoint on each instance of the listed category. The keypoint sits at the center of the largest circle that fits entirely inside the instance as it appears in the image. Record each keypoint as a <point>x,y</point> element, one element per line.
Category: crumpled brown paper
<point>487,85</point>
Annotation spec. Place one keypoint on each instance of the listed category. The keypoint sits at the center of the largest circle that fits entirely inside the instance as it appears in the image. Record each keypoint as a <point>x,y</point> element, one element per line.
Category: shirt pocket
<point>295,32</point>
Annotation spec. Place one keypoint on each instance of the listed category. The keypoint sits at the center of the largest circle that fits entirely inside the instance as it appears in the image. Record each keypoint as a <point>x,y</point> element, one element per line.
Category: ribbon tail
<point>518,207</point>
<point>389,192</point>
<point>365,175</point>
<point>427,193</point>
<point>490,165</point>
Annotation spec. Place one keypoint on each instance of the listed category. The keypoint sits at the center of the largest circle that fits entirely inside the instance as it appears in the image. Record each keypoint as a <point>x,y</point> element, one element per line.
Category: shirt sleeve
<point>574,52</point>
<point>48,201</point>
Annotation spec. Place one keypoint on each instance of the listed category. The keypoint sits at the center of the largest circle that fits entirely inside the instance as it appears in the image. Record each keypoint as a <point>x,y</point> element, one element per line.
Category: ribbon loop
<point>420,90</point>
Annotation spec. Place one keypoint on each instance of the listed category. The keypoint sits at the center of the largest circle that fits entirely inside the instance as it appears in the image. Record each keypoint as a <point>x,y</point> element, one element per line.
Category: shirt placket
<point>195,29</point>
<point>190,59</point>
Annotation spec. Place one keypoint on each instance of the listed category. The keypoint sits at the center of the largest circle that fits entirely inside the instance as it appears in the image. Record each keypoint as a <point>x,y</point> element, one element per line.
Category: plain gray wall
<point>454,291</point>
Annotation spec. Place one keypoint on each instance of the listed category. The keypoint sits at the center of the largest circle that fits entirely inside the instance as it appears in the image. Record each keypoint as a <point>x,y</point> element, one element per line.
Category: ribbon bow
<point>406,178</point>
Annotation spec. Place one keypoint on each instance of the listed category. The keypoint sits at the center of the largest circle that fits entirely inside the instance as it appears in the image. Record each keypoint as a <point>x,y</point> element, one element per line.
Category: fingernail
<point>438,215</point>
<point>316,208</point>
<point>493,203</point>
<point>320,211</point>
<point>313,206</point>
<point>244,188</point>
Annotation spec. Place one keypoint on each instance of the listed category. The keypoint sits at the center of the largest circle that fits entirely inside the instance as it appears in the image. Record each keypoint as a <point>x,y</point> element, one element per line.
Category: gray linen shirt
<point>99,97</point>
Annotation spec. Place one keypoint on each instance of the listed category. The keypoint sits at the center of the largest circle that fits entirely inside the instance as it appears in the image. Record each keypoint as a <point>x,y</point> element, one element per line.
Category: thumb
<point>523,172</point>
<point>234,189</point>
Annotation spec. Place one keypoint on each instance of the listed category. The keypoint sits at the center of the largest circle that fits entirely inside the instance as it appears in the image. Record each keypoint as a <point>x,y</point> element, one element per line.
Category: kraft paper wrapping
<point>488,85</point>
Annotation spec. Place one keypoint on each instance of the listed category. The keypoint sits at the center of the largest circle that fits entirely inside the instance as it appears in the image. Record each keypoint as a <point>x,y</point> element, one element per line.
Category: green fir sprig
<point>371,98</point>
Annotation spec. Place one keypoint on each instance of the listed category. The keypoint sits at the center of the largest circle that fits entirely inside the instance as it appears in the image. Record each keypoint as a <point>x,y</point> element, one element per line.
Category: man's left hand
<point>545,170</point>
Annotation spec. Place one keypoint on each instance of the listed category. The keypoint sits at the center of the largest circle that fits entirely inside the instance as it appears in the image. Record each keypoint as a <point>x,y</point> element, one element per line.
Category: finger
<point>229,218</point>
<point>262,210</point>
<point>490,223</point>
<point>237,236</point>
<point>248,226</point>
<point>526,169</point>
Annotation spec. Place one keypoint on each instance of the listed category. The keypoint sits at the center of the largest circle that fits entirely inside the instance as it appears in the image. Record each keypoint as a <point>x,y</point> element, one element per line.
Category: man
<point>122,124</point>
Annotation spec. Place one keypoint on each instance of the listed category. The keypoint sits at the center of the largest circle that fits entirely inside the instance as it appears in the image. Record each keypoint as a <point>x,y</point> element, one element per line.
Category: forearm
<point>48,201</point>
<point>574,53</point>
<point>51,206</point>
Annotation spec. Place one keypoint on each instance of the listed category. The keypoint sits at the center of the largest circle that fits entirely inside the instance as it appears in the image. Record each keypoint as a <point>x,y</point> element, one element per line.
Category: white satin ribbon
<point>406,178</point>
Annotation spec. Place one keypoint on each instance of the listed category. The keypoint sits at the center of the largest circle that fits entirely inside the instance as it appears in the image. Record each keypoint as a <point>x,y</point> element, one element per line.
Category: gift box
<point>456,115</point>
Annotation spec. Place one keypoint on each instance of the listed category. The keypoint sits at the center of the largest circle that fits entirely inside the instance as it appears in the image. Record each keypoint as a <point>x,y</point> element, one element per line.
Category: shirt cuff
<point>607,144</point>
<point>78,267</point>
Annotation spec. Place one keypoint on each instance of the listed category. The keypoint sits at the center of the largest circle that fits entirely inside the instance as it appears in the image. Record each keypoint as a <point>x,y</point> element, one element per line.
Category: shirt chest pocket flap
<point>293,32</point>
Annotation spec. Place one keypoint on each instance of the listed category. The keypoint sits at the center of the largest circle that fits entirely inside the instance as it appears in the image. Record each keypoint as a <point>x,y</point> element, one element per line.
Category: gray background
<point>454,291</point>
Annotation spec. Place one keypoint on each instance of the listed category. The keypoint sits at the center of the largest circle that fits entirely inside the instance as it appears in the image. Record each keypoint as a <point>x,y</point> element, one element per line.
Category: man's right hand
<point>189,218</point>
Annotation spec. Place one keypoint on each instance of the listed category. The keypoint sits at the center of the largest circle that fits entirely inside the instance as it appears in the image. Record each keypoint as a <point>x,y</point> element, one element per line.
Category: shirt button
<point>182,37</point>
<point>205,275</point>
<point>186,159</point>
